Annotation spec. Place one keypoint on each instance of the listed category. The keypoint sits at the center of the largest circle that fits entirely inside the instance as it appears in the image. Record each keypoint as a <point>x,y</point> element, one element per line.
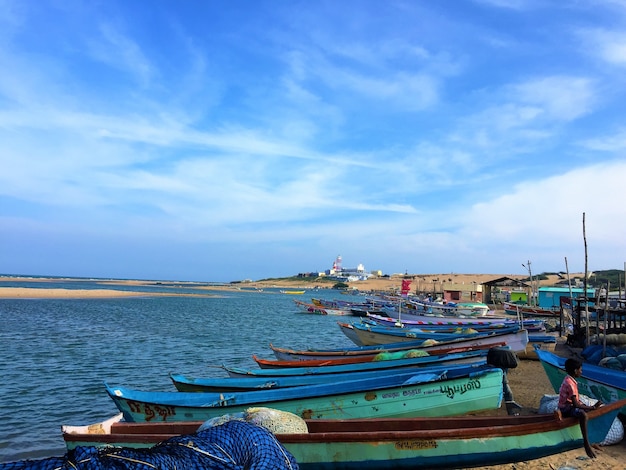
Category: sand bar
<point>55,293</point>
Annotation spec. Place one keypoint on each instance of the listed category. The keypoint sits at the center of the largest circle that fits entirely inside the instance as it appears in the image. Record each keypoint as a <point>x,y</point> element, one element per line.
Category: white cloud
<point>608,45</point>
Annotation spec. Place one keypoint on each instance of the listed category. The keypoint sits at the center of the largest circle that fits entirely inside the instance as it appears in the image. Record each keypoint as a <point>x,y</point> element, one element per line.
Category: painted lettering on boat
<point>411,392</point>
<point>151,411</point>
<point>451,391</point>
<point>416,444</point>
<point>391,395</point>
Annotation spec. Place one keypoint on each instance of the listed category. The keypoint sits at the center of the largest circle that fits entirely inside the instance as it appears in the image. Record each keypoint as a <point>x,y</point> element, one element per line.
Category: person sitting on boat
<point>570,404</point>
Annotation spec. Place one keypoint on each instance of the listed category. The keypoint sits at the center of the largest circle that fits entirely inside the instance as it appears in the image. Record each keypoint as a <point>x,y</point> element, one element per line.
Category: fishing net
<point>233,445</point>
<point>390,356</point>
<point>276,421</point>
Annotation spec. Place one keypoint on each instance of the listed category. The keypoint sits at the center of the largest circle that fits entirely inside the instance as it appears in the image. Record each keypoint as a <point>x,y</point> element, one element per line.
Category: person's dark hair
<point>571,365</point>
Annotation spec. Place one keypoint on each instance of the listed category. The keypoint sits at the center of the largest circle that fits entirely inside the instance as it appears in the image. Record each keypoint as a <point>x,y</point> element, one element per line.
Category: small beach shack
<point>550,297</point>
<point>456,293</point>
<point>504,289</point>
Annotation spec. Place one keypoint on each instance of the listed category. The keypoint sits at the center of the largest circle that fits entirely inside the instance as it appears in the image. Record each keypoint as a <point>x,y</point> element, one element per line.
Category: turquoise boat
<point>447,392</point>
<point>385,444</point>
<point>601,383</point>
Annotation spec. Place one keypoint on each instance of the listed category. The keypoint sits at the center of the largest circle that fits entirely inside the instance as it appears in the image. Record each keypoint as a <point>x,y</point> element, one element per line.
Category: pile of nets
<point>235,444</point>
<point>390,356</point>
<point>276,421</point>
<point>612,358</point>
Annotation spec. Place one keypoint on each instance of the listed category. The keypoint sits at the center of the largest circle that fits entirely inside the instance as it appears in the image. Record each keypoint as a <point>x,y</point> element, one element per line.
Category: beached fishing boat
<point>472,309</point>
<point>430,307</point>
<point>369,335</point>
<point>248,381</point>
<point>451,324</point>
<point>348,331</point>
<point>529,311</point>
<point>321,310</point>
<point>397,359</point>
<point>445,393</point>
<point>544,342</point>
<point>389,334</point>
<point>377,444</point>
<point>358,309</point>
<point>286,354</point>
<point>601,383</point>
<point>456,355</point>
<point>417,355</point>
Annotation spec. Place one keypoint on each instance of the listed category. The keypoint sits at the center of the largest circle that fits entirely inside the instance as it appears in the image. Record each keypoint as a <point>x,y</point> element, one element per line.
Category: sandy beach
<point>378,284</point>
<point>528,382</point>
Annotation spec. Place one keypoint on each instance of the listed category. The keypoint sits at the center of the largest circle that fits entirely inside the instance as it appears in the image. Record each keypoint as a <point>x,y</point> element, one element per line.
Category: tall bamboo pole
<point>585,286</point>
<point>571,297</point>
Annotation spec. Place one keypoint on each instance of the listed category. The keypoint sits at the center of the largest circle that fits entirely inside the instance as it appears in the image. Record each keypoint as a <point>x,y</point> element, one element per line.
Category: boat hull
<point>378,444</point>
<point>517,341</point>
<point>545,343</point>
<point>393,396</point>
<point>336,357</point>
<point>596,382</point>
<point>250,382</point>
<point>528,311</point>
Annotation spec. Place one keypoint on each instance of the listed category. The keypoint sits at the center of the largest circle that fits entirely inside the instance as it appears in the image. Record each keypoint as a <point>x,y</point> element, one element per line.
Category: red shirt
<point>569,388</point>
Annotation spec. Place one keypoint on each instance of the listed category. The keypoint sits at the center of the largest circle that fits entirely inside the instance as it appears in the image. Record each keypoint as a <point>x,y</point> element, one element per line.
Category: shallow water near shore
<point>57,353</point>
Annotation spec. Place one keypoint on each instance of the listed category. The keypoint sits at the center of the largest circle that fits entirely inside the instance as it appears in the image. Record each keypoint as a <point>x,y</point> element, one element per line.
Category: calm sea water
<point>56,354</point>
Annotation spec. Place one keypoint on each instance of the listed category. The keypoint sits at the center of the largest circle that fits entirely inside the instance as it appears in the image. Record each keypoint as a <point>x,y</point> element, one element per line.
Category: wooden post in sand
<point>585,287</point>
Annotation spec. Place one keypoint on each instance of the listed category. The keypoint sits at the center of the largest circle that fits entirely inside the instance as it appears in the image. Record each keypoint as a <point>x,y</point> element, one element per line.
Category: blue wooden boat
<point>448,324</point>
<point>384,444</point>
<point>601,383</point>
<point>251,382</point>
<point>396,333</point>
<point>444,393</point>
<point>545,342</point>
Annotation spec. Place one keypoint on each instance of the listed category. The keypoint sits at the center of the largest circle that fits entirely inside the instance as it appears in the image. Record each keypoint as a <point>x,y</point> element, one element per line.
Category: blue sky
<point>224,140</point>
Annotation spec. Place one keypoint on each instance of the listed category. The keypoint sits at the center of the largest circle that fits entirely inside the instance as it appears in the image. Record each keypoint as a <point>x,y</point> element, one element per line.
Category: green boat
<point>447,392</point>
<point>385,444</point>
<point>601,383</point>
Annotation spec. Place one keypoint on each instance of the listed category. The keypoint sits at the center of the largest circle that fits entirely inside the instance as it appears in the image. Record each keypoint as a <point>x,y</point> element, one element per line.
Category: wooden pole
<point>585,286</point>
<point>571,296</point>
<point>606,314</point>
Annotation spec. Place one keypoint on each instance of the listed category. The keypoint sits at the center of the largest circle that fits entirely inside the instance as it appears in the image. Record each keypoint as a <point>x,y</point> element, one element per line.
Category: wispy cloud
<point>375,136</point>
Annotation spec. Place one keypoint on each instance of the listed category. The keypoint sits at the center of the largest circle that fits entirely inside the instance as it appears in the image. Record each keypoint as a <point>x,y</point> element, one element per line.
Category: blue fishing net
<point>234,445</point>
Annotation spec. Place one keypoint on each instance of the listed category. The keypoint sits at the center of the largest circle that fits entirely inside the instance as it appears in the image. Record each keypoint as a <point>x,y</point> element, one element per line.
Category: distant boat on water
<point>292,292</point>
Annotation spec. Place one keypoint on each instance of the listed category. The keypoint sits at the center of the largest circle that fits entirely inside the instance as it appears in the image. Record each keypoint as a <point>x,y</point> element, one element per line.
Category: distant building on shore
<point>339,273</point>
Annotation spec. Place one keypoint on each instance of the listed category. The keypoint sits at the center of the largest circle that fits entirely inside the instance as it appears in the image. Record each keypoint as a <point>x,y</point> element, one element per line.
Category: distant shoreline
<point>378,284</point>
